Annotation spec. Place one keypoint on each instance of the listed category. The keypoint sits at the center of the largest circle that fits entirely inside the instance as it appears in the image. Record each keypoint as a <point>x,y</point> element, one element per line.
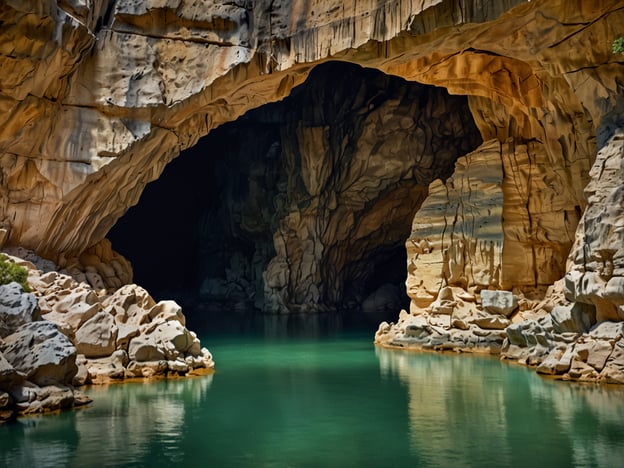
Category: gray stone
<point>499,302</point>
<point>76,316</point>
<point>143,348</point>
<point>178,366</point>
<point>577,318</point>
<point>42,353</point>
<point>27,392</point>
<point>548,365</point>
<point>515,333</point>
<point>418,327</point>
<point>613,371</point>
<point>598,353</point>
<point>8,374</point>
<point>119,358</point>
<point>147,368</point>
<point>582,371</point>
<point>16,308</point>
<point>55,397</point>
<point>82,376</point>
<point>608,331</point>
<point>174,333</point>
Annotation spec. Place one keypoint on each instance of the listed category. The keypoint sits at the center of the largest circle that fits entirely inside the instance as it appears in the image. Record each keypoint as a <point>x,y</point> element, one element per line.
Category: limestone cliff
<point>97,97</point>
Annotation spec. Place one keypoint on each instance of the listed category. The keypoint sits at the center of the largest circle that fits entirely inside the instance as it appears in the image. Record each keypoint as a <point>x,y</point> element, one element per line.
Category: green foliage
<point>10,271</point>
<point>618,46</point>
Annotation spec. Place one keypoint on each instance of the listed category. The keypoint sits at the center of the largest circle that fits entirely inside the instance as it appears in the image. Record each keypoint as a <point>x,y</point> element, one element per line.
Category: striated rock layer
<point>301,205</point>
<point>97,97</point>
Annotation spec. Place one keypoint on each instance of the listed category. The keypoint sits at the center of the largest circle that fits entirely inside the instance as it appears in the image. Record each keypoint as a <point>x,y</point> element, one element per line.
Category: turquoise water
<point>331,402</point>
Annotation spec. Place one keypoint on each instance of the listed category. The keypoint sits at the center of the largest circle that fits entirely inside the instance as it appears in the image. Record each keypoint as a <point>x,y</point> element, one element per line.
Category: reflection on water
<point>331,402</point>
<point>251,323</point>
<point>117,430</point>
<point>480,412</point>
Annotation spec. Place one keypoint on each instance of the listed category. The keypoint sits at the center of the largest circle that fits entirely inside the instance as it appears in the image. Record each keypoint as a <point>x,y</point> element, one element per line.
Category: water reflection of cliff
<point>133,418</point>
<point>460,408</point>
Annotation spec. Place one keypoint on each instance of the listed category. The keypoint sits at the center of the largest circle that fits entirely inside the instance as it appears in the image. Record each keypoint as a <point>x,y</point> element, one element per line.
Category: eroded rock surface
<point>65,334</point>
<point>96,103</point>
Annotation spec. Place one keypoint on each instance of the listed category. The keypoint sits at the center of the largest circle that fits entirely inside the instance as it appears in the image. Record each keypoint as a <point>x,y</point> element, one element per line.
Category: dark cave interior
<point>204,233</point>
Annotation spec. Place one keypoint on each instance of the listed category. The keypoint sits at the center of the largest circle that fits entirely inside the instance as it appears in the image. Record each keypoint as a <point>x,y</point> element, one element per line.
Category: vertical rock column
<point>596,271</point>
<point>457,234</point>
<point>358,167</point>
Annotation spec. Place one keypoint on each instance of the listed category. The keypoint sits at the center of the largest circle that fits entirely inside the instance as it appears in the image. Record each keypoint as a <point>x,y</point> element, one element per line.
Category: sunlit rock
<point>97,337</point>
<point>104,95</point>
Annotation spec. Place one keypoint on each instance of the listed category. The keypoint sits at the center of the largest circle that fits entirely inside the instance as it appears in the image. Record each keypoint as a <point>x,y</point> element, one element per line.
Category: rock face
<point>107,93</point>
<point>308,217</point>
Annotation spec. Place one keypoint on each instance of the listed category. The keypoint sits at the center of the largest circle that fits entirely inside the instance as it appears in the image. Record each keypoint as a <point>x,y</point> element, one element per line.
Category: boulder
<point>499,302</point>
<point>134,300</point>
<point>42,353</point>
<point>147,368</point>
<point>577,318</point>
<point>552,364</point>
<point>125,333</point>
<point>98,336</point>
<point>611,331</point>
<point>613,371</point>
<point>166,311</point>
<point>75,317</point>
<point>491,322</point>
<point>8,374</point>
<point>144,348</point>
<point>16,308</point>
<point>82,376</point>
<point>515,334</point>
<point>598,351</point>
<point>418,327</point>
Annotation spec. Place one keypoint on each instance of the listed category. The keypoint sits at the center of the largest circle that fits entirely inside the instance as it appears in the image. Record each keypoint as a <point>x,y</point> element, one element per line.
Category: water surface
<point>331,402</point>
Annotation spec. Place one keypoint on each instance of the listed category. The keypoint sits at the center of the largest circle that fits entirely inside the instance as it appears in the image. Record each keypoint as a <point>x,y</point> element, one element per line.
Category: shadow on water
<point>249,322</point>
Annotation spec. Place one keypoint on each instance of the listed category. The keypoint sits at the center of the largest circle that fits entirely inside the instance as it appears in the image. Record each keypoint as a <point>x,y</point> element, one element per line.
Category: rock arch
<point>303,204</point>
<point>107,93</point>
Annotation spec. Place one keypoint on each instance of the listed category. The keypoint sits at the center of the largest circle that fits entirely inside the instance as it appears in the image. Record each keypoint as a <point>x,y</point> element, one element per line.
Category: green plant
<point>618,46</point>
<point>10,271</point>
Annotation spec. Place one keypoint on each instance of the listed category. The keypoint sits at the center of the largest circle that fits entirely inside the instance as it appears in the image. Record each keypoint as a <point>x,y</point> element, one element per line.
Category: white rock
<point>499,302</point>
<point>97,337</point>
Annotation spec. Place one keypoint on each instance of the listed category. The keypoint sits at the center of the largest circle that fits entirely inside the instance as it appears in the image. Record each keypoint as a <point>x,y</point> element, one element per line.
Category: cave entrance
<point>302,205</point>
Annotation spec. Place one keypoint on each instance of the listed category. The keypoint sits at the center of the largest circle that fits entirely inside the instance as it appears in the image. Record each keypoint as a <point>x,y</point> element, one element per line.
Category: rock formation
<point>105,94</point>
<point>66,334</point>
<point>299,205</point>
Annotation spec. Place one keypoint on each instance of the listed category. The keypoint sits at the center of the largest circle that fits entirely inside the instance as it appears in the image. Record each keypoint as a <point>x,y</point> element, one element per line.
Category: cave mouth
<point>302,205</point>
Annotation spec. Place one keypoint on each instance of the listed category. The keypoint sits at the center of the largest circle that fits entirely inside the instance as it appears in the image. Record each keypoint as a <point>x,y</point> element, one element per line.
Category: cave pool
<point>336,401</point>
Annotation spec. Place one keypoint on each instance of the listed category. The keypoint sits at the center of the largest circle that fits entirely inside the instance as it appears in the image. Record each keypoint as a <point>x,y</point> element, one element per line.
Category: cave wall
<point>98,96</point>
<point>302,204</point>
<point>360,153</point>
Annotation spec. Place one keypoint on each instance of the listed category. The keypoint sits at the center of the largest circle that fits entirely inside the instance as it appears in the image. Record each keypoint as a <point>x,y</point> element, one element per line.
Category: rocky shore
<point>553,336</point>
<point>71,331</point>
